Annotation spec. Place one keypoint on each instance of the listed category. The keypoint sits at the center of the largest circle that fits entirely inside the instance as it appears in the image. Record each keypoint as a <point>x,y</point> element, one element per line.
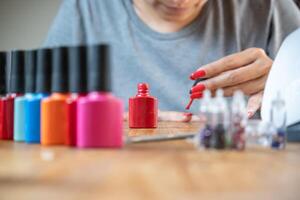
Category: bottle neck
<point>143,93</point>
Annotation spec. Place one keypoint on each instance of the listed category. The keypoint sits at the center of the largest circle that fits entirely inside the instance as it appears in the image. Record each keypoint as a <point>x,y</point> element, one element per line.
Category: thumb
<point>174,116</point>
<point>254,103</point>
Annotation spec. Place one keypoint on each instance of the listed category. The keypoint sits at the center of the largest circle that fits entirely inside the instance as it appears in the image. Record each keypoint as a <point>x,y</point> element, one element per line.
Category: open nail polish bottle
<point>100,114</point>
<point>143,109</point>
<point>42,81</point>
<point>53,108</point>
<point>19,105</point>
<point>77,88</point>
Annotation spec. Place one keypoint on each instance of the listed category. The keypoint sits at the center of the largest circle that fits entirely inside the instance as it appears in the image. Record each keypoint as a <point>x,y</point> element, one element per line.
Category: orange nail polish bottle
<point>53,109</point>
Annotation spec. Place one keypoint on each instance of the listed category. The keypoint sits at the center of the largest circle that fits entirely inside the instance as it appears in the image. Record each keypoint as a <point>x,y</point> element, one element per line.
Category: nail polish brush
<point>197,95</point>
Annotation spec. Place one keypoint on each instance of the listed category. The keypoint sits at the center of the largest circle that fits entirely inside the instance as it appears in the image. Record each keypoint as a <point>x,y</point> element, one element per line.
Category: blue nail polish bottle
<point>42,90</point>
<point>18,68</point>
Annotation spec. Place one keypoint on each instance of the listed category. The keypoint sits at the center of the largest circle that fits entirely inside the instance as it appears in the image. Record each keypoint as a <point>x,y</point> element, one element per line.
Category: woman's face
<point>176,10</point>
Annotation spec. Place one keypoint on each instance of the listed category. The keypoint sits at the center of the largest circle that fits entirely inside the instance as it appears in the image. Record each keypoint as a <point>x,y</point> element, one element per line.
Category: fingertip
<point>192,77</point>
<point>198,88</point>
<point>197,74</point>
<point>196,95</point>
<point>250,114</point>
<point>187,117</point>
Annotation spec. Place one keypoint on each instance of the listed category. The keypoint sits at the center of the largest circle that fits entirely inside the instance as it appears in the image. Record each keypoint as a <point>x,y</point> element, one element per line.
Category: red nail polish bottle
<point>2,88</point>
<point>77,87</point>
<point>15,87</point>
<point>143,109</point>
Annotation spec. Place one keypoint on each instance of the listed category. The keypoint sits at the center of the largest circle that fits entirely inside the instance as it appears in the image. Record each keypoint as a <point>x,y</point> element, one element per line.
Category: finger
<point>254,103</point>
<point>248,88</point>
<point>196,118</point>
<point>174,116</point>
<point>227,63</point>
<point>234,77</point>
<point>125,116</point>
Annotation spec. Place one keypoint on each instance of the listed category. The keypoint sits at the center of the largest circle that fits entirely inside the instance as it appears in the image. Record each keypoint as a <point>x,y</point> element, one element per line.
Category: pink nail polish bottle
<point>99,114</point>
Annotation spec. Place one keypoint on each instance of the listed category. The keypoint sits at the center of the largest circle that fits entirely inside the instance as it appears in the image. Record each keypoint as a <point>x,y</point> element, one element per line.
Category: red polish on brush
<point>198,74</point>
<point>189,104</point>
<point>196,95</point>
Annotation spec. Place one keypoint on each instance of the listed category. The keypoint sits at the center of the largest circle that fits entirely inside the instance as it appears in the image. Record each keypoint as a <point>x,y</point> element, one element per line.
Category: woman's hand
<point>246,71</point>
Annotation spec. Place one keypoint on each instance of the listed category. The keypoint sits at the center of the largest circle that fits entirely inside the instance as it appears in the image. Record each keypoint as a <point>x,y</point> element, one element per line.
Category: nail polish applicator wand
<point>196,95</point>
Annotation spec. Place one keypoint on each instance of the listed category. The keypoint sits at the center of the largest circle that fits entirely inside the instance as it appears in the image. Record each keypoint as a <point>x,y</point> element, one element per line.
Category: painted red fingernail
<point>196,95</point>
<point>197,74</point>
<point>198,88</point>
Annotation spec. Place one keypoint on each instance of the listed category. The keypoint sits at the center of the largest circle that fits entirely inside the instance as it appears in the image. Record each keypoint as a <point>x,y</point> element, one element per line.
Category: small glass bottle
<point>278,119</point>
<point>220,120</point>
<point>259,133</point>
<point>238,121</point>
<point>204,138</point>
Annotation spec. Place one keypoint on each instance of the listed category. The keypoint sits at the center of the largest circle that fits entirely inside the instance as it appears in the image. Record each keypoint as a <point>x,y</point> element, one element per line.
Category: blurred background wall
<point>24,23</point>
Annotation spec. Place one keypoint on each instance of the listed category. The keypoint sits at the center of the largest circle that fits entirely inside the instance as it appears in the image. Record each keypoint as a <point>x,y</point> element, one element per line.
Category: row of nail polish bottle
<point>222,129</point>
<point>86,114</point>
<point>215,113</point>
<point>67,97</point>
<point>25,82</point>
<point>268,134</point>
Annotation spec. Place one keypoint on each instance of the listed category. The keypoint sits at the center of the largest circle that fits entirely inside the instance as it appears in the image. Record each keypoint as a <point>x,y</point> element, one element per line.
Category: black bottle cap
<point>2,73</point>
<point>17,72</point>
<point>30,71</point>
<point>8,72</point>
<point>59,80</point>
<point>78,69</point>
<point>43,71</point>
<point>98,68</point>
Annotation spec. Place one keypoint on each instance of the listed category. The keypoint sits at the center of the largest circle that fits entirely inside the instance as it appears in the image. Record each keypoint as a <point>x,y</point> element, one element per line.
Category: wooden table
<point>166,170</point>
